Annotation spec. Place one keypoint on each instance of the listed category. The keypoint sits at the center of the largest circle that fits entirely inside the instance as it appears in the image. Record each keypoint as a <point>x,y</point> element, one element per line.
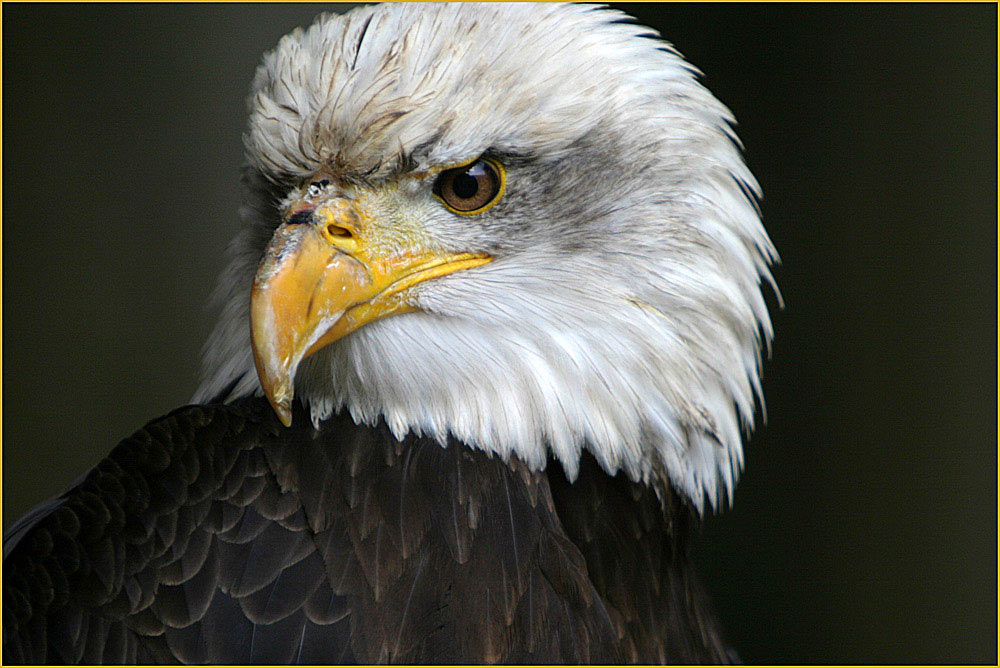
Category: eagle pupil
<point>465,185</point>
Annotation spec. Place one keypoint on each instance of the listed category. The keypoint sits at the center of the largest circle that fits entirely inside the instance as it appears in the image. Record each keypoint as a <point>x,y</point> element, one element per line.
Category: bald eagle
<point>491,334</point>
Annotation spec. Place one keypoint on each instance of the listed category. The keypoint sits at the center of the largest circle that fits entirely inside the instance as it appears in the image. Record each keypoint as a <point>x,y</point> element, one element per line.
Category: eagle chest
<point>214,536</point>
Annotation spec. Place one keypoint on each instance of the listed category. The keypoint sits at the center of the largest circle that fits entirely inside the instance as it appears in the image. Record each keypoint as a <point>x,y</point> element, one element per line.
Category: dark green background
<point>864,528</point>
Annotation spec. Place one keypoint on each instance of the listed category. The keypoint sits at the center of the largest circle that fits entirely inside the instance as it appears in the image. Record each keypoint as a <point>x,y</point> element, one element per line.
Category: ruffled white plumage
<point>631,329</point>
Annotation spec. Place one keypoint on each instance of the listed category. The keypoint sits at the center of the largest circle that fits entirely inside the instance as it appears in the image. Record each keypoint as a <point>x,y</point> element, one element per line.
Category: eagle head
<point>524,227</point>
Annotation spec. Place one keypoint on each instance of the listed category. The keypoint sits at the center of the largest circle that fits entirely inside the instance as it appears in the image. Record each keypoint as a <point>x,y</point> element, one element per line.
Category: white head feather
<point>623,313</point>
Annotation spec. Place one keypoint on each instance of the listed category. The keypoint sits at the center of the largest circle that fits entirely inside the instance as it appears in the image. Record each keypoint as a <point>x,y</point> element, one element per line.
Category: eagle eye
<point>471,188</point>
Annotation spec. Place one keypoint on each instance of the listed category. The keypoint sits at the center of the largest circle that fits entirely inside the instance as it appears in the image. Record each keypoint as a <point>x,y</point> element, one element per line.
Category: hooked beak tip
<point>284,412</point>
<point>279,394</point>
<point>276,384</point>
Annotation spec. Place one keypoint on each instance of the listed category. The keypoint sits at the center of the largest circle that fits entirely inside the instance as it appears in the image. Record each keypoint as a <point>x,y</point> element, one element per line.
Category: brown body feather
<point>214,535</point>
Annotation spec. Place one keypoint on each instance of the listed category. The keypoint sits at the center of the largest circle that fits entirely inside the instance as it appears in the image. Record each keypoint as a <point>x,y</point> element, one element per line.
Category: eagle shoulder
<point>213,535</point>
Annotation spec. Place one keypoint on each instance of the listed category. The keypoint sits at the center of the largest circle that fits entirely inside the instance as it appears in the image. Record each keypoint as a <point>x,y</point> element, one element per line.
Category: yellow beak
<point>319,281</point>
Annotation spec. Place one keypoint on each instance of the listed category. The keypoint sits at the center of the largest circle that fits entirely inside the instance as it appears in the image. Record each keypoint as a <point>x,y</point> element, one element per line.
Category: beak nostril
<point>338,232</point>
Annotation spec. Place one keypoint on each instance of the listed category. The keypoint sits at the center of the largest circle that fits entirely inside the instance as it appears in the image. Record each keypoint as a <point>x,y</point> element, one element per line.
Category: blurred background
<point>865,525</point>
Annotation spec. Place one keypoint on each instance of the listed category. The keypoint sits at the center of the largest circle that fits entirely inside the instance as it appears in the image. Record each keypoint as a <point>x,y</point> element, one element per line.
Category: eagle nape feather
<point>489,341</point>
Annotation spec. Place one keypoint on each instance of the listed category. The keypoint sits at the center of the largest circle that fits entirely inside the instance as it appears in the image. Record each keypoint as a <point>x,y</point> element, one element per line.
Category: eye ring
<point>471,188</point>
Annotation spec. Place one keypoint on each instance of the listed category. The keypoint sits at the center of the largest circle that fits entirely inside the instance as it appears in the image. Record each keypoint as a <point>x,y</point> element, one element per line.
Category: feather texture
<point>622,314</point>
<point>347,545</point>
<point>507,472</point>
